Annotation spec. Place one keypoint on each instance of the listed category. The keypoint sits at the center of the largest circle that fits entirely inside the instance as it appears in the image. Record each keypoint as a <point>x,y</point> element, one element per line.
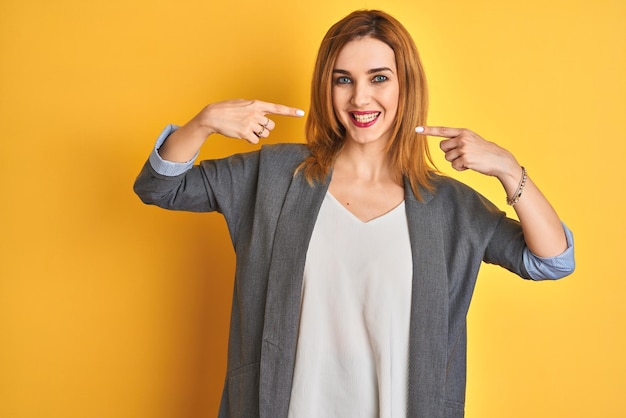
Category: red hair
<point>407,151</point>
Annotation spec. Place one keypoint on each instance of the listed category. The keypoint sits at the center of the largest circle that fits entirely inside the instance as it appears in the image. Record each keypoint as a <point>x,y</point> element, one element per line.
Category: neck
<point>366,164</point>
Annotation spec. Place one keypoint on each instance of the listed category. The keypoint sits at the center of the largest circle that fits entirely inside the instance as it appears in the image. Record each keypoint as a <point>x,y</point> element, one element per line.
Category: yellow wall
<point>109,308</point>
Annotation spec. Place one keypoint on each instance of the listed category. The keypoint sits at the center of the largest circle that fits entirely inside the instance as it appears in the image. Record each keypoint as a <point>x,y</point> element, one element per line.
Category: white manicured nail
<point>419,129</point>
<point>300,112</point>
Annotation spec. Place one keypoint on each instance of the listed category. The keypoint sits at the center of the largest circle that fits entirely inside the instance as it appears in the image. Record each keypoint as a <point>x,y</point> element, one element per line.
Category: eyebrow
<point>373,70</point>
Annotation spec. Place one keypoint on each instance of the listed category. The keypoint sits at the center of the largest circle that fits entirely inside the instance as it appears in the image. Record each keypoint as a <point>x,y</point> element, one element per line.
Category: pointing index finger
<point>279,109</point>
<point>440,131</point>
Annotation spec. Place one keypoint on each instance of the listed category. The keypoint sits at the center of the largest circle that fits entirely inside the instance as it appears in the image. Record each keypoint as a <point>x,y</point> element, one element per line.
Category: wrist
<point>509,176</point>
<point>513,198</point>
<point>201,124</point>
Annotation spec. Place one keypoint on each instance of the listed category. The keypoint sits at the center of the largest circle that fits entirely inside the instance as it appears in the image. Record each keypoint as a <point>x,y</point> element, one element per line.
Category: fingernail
<point>419,129</point>
<point>299,112</point>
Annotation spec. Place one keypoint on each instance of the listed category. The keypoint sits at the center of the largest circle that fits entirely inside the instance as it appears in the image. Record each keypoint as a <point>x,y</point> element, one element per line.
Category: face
<point>365,90</point>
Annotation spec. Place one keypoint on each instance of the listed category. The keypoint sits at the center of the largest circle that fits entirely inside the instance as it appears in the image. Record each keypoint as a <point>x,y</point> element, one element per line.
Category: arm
<point>169,179</point>
<point>542,228</point>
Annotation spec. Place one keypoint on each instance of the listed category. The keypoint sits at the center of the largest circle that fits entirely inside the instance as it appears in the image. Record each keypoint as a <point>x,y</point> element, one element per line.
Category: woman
<point>356,260</point>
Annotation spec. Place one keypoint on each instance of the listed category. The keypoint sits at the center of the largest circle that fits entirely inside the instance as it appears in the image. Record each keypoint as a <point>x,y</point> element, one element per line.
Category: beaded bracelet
<point>518,193</point>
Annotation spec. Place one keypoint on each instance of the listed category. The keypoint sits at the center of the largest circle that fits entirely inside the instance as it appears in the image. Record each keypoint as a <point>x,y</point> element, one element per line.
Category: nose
<point>361,94</point>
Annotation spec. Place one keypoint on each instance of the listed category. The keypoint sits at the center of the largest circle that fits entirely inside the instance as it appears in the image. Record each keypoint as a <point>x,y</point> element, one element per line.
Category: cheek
<point>392,101</point>
<point>338,96</point>
<point>339,101</point>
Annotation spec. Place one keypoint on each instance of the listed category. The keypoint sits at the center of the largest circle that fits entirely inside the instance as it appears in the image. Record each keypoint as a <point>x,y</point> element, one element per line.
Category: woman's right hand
<point>243,119</point>
<point>238,118</point>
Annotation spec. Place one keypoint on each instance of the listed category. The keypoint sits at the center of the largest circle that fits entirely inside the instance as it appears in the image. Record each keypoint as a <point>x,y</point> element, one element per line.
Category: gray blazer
<point>270,215</point>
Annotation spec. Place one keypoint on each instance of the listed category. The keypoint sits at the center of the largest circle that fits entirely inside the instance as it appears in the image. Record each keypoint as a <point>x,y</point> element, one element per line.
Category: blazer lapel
<point>429,301</point>
<point>429,308</point>
<point>282,312</point>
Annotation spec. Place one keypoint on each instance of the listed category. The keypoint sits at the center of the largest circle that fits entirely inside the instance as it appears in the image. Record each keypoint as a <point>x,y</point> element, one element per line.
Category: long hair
<point>407,151</point>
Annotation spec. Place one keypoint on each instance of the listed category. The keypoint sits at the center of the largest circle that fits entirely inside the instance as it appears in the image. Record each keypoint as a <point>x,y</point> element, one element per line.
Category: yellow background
<point>109,308</point>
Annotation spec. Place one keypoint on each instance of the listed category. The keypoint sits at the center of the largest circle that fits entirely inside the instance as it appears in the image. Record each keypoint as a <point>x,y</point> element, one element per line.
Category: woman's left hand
<point>465,149</point>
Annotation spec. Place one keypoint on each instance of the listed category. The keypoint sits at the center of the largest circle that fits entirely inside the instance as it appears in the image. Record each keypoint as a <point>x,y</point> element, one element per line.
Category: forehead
<point>365,53</point>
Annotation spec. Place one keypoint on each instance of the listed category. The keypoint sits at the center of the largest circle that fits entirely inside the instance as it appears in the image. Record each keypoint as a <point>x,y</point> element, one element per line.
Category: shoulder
<point>439,187</point>
<point>281,158</point>
<point>277,155</point>
<point>446,187</point>
<point>285,151</point>
<point>456,196</point>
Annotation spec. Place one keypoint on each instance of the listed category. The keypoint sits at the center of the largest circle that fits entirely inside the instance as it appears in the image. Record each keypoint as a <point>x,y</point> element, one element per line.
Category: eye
<point>379,78</point>
<point>343,80</point>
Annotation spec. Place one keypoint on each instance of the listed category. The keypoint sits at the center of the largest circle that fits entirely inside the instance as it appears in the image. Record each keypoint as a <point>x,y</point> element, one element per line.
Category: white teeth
<point>365,118</point>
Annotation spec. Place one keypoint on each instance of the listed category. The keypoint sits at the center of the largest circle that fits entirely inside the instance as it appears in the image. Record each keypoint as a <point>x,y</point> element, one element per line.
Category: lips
<point>364,119</point>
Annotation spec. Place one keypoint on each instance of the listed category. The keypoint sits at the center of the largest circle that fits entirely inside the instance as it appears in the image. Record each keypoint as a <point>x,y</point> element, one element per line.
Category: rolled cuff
<point>551,268</point>
<point>164,167</point>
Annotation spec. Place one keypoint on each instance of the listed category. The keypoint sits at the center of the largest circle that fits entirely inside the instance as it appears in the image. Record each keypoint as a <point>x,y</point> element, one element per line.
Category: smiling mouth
<point>364,118</point>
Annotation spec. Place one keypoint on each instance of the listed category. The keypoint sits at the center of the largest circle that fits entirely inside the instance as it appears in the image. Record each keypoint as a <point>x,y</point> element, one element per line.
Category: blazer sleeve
<point>478,230</point>
<point>508,249</point>
<point>212,185</point>
<point>507,246</point>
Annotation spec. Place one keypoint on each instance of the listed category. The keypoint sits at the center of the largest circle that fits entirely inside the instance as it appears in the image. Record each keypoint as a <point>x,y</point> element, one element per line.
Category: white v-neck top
<point>353,341</point>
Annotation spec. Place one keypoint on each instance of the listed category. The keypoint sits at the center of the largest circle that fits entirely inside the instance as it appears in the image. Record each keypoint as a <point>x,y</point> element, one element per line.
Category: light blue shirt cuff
<point>551,268</point>
<point>164,167</point>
